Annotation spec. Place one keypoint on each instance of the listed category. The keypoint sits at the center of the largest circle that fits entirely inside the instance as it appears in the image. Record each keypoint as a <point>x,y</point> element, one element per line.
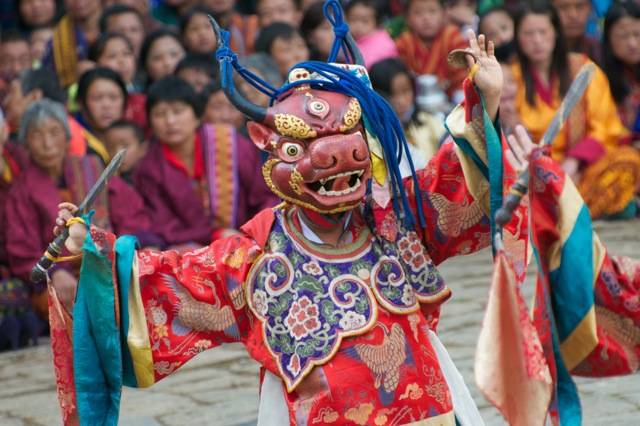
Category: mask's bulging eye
<point>291,151</point>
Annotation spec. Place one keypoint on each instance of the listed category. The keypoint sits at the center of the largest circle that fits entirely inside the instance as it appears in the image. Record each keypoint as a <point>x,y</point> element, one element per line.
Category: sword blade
<point>102,181</point>
<point>574,94</point>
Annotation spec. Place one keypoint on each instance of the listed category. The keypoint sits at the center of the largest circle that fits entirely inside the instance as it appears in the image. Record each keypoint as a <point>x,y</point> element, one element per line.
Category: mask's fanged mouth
<point>339,184</point>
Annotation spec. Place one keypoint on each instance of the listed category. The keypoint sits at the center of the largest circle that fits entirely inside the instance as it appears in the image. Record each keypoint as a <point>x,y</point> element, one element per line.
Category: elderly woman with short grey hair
<point>52,177</point>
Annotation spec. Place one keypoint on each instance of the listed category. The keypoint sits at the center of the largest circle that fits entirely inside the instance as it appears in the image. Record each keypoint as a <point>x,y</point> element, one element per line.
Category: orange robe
<point>431,58</point>
<point>592,135</point>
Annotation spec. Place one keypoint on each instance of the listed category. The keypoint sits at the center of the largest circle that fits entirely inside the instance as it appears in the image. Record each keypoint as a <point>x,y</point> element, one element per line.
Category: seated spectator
<point>15,55</point>
<point>574,15</point>
<point>160,53</point>
<point>270,11</point>
<point>588,147</point>
<point>373,40</point>
<point>52,177</point>
<point>34,14</point>
<point>199,70</point>
<point>218,109</point>
<point>264,67</point>
<point>394,81</point>
<point>38,40</point>
<point>317,31</point>
<point>34,85</point>
<point>19,325</point>
<point>497,25</point>
<point>621,58</point>
<point>114,51</point>
<point>196,31</point>
<point>102,98</point>
<point>284,44</point>
<point>69,47</point>
<point>462,14</point>
<point>243,28</point>
<point>123,134</point>
<point>196,179</point>
<point>168,12</point>
<point>143,7</point>
<point>125,20</point>
<point>426,43</point>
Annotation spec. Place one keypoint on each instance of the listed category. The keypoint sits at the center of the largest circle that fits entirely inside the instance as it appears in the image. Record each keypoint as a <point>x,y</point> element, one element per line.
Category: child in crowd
<point>270,11</point>
<point>462,13</point>
<point>197,69</point>
<point>365,23</point>
<point>426,43</point>
<point>218,109</point>
<point>195,29</point>
<point>394,81</point>
<point>124,20</point>
<point>264,67</point>
<point>38,40</point>
<point>160,53</point>
<point>284,44</point>
<point>497,25</point>
<point>124,134</point>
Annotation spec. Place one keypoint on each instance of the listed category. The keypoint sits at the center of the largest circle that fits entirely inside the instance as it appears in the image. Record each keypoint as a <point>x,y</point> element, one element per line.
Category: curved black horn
<point>354,50</point>
<point>251,110</point>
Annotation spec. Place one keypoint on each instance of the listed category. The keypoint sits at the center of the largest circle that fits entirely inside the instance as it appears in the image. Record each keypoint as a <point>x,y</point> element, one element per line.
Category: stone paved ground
<point>220,386</point>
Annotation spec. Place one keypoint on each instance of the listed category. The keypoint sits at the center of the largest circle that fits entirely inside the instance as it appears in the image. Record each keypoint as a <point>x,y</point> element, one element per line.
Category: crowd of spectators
<point>81,79</point>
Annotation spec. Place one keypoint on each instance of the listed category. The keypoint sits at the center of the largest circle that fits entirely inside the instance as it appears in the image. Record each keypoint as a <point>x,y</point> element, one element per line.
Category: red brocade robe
<point>349,336</point>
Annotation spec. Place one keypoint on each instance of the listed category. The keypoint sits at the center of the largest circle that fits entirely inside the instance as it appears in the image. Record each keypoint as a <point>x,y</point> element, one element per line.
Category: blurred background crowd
<point>81,79</point>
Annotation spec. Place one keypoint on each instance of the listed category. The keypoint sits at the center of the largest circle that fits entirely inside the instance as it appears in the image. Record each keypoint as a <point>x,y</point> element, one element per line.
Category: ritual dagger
<point>520,187</point>
<point>39,272</point>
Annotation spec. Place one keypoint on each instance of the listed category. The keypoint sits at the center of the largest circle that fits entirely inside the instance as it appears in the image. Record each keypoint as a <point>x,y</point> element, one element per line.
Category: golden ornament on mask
<point>352,116</point>
<point>294,127</point>
<point>266,174</point>
<point>295,182</point>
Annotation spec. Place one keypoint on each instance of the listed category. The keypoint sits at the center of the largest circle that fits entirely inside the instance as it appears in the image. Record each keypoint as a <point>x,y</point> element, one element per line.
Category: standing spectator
<point>497,25</point>
<point>33,14</point>
<point>270,11</point>
<point>197,179</point>
<point>588,145</point>
<point>574,15</point>
<point>124,20</point>
<point>425,45</point>
<point>160,54</point>
<point>196,32</point>
<point>394,81</point>
<point>284,44</point>
<point>621,51</point>
<point>142,7</point>
<point>317,31</point>
<point>366,27</point>
<point>73,34</point>
<point>243,28</point>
